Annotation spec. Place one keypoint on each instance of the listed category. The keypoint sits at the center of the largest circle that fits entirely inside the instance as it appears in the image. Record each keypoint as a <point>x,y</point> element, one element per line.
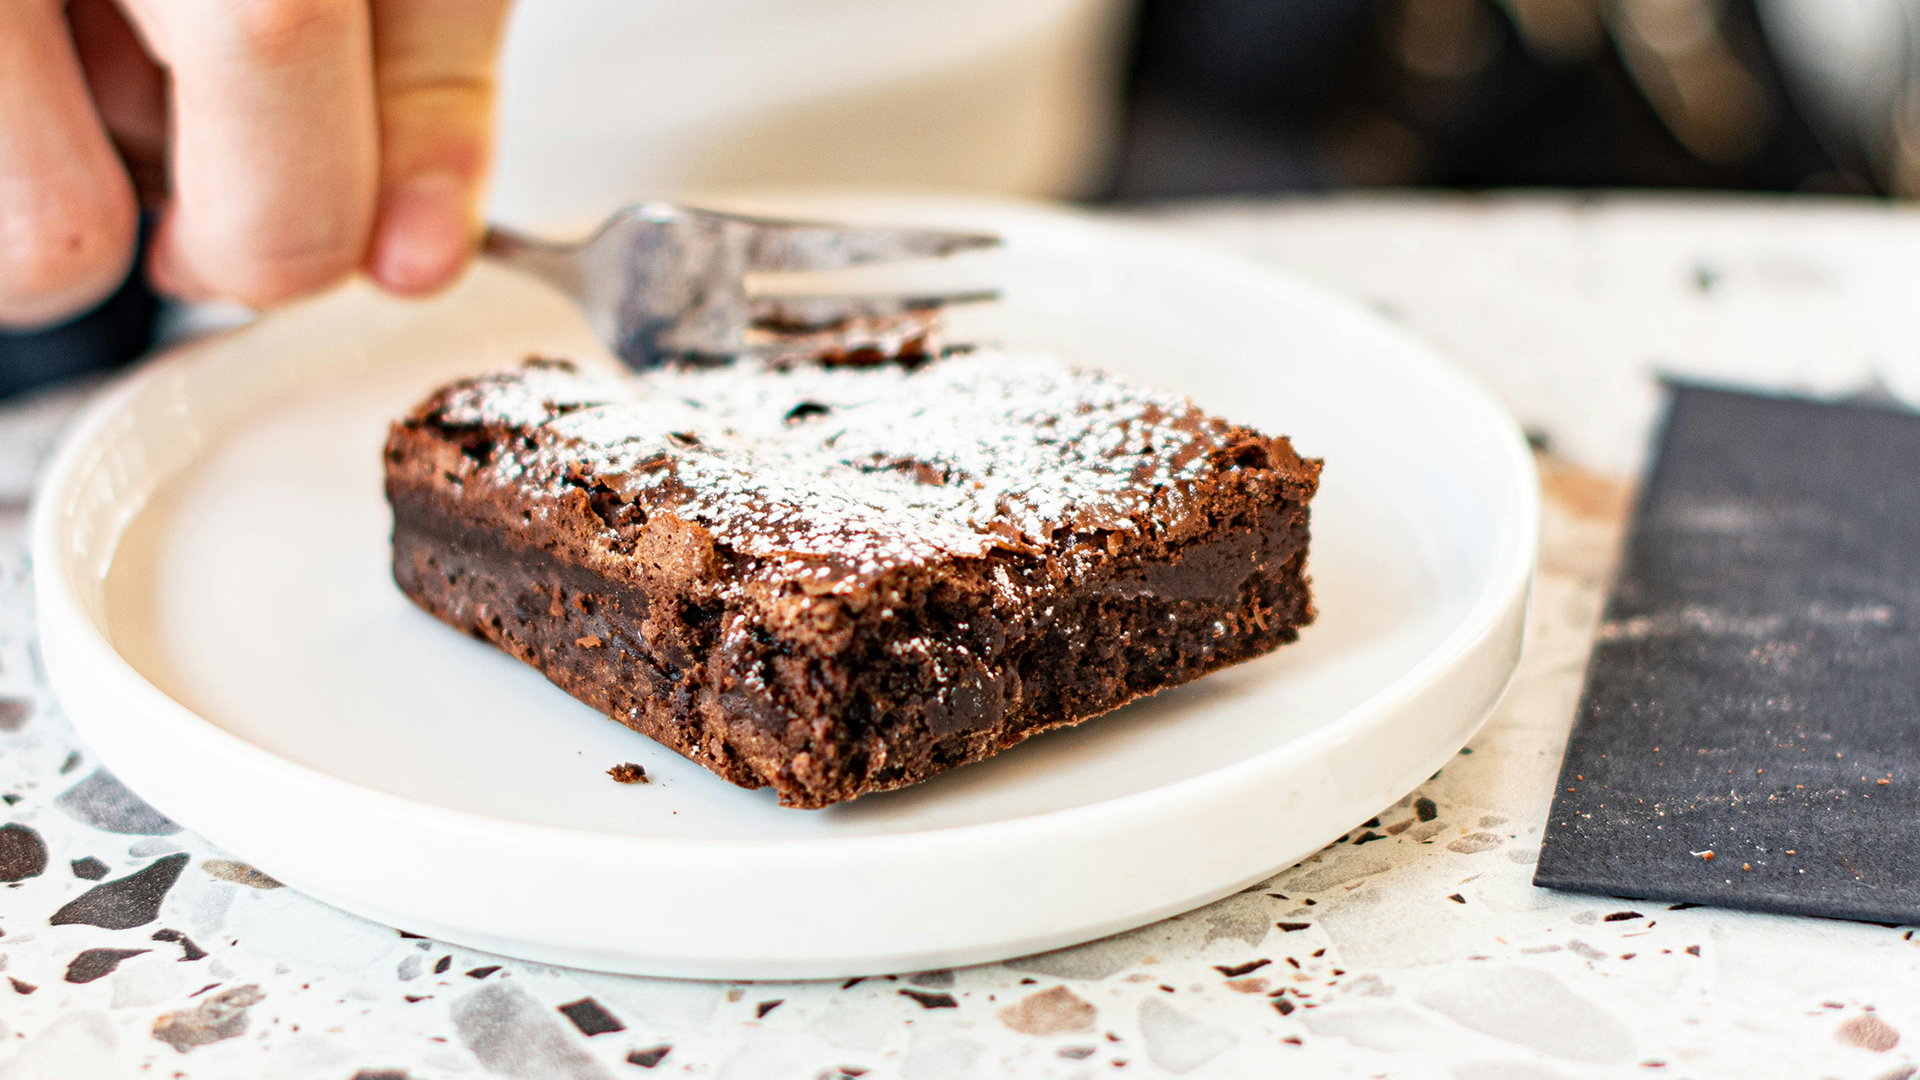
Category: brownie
<point>836,579</point>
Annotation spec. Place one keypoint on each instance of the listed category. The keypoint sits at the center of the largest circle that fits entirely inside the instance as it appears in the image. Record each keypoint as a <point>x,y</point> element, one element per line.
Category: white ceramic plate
<point>210,553</point>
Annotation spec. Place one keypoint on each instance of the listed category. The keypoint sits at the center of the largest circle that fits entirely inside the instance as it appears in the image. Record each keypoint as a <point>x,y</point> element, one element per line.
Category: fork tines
<point>775,246</point>
<point>662,283</point>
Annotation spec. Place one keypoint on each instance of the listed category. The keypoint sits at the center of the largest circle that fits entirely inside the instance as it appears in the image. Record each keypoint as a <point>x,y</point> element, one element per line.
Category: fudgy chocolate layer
<point>904,708</point>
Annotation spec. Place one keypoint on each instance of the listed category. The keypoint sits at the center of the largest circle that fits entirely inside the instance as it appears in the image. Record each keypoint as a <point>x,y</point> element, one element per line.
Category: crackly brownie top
<point>838,470</point>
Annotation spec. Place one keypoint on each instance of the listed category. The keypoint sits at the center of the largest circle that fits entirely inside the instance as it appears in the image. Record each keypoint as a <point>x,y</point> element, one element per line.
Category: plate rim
<point>1512,573</point>
<point>63,617</point>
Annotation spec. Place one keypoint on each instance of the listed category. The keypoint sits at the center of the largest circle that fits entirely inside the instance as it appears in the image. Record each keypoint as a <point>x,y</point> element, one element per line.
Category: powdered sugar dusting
<point>853,470</point>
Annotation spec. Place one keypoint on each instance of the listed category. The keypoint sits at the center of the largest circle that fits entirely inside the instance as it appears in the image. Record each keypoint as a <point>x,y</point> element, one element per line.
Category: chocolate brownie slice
<point>840,579</point>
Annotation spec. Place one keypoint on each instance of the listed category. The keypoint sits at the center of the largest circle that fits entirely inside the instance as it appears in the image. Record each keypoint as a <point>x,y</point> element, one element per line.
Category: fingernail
<point>422,237</point>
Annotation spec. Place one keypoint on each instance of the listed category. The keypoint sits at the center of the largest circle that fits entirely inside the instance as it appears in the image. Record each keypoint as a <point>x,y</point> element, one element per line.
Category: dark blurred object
<point>1854,66</point>
<point>121,328</point>
<point>1271,95</point>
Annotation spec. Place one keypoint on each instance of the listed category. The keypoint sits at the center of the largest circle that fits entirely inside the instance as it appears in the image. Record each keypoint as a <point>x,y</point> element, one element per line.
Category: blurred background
<point>1126,102</point>
<point>1151,99</point>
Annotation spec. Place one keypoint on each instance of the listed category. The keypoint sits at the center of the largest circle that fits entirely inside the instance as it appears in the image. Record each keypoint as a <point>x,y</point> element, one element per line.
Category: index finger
<point>434,72</point>
<point>274,146</point>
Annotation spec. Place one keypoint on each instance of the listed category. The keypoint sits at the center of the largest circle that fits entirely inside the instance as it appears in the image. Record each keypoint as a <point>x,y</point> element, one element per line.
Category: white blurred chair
<point>606,101</point>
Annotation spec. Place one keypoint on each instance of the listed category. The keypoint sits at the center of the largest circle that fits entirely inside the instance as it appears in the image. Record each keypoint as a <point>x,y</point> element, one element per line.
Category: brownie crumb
<point>628,773</point>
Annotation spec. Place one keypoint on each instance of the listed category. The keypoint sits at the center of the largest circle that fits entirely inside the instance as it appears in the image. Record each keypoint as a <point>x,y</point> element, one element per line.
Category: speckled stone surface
<point>1415,947</point>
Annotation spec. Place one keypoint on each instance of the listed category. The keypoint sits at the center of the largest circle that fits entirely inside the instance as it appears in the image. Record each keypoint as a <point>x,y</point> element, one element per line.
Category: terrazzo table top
<point>1415,947</point>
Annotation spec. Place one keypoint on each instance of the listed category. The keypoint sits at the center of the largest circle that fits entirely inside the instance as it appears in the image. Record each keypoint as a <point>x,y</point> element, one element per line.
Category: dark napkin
<point>1754,689</point>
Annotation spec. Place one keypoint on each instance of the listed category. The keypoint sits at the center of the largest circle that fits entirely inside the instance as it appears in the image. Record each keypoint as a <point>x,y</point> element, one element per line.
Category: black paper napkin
<point>1749,735</point>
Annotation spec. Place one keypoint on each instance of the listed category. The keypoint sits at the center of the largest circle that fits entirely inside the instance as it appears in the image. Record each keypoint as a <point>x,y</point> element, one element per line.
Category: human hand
<point>294,141</point>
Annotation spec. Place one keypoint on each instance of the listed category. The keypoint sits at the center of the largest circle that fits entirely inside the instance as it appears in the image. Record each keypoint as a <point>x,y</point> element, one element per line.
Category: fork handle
<point>556,264</point>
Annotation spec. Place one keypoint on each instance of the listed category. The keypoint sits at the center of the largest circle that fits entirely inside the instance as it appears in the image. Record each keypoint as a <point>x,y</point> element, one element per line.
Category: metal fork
<point>662,283</point>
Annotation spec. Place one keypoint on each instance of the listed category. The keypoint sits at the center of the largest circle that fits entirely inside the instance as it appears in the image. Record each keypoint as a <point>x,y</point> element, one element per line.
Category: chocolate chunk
<point>1425,809</point>
<point>21,987</point>
<point>22,853</point>
<point>761,1010</point>
<point>483,972</point>
<point>89,868</point>
<point>592,1019</point>
<point>930,1000</point>
<point>441,965</point>
<point>124,903</point>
